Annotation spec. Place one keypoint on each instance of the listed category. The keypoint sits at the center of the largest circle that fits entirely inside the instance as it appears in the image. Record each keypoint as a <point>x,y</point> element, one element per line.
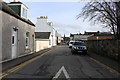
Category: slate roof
<point>42,35</point>
<point>16,2</point>
<point>103,34</point>
<point>89,33</point>
<point>8,10</point>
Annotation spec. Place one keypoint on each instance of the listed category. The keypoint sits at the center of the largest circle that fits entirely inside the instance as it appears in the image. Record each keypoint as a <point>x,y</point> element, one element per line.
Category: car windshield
<point>79,43</point>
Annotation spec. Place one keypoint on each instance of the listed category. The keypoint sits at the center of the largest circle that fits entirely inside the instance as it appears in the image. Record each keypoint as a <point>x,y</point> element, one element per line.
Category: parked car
<point>70,44</point>
<point>79,47</point>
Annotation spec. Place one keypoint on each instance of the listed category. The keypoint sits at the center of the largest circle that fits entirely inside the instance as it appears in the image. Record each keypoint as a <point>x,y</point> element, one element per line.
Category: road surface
<point>60,63</point>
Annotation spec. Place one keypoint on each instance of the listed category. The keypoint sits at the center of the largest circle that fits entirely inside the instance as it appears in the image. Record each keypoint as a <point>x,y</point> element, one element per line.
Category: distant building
<point>16,31</point>
<point>79,37</point>
<point>101,36</point>
<point>65,39</point>
<point>91,36</point>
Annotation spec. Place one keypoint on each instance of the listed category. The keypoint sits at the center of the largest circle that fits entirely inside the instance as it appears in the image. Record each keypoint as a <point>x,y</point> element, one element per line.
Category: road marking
<point>110,69</point>
<point>8,72</point>
<point>59,72</point>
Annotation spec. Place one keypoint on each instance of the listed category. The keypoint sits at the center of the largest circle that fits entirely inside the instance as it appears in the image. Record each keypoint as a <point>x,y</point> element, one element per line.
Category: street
<point>59,62</point>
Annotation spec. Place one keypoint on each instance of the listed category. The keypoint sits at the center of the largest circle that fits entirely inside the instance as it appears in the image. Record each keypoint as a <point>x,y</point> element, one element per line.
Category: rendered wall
<point>41,44</point>
<point>0,42</point>
<point>8,23</point>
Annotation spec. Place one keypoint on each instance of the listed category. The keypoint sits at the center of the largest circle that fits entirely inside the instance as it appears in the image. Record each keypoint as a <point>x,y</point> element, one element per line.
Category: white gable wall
<point>43,26</point>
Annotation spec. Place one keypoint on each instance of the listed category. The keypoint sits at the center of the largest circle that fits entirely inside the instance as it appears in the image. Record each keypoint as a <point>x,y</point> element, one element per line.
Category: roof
<point>18,3</point>
<point>8,10</point>
<point>72,35</point>
<point>89,33</point>
<point>103,34</point>
<point>42,35</point>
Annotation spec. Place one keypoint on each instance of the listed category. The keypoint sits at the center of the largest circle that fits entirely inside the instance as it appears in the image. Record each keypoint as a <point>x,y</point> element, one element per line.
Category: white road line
<point>59,72</point>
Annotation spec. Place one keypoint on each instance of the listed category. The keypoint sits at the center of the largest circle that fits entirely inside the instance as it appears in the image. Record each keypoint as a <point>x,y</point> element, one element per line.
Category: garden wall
<point>108,48</point>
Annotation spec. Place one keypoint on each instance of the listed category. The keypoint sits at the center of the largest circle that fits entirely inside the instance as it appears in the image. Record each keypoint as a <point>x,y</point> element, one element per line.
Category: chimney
<point>50,23</point>
<point>14,0</point>
<point>42,19</point>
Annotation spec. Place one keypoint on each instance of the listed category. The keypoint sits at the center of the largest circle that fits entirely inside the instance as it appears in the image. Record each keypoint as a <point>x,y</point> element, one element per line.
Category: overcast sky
<point>62,14</point>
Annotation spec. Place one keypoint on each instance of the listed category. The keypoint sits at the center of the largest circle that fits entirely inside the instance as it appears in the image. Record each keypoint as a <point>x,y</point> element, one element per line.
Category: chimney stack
<point>14,0</point>
<point>42,19</point>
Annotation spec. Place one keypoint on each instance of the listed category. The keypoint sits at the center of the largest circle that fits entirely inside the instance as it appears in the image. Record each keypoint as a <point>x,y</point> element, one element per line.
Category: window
<point>12,39</point>
<point>24,12</point>
<point>27,39</point>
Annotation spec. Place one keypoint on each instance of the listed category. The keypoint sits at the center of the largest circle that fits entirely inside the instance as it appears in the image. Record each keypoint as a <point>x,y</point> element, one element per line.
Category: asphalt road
<point>59,63</point>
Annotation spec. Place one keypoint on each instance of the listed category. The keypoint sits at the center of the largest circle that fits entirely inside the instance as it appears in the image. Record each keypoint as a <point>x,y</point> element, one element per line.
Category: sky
<point>63,15</point>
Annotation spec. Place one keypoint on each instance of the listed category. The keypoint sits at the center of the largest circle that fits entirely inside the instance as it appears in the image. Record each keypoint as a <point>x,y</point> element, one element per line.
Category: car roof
<point>79,41</point>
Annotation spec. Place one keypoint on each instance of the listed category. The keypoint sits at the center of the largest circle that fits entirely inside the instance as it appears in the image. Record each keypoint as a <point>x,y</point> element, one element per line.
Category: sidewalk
<point>107,61</point>
<point>17,61</point>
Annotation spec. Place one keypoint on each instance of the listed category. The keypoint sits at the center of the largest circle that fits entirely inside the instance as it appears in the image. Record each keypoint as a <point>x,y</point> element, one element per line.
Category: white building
<point>43,26</point>
<point>59,37</point>
<point>78,37</point>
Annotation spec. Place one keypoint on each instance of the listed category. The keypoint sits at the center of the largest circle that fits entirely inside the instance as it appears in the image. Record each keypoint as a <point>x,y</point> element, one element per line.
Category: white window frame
<point>27,40</point>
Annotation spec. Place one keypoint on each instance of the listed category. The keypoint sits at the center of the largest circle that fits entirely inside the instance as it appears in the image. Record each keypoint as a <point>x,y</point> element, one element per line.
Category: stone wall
<point>108,48</point>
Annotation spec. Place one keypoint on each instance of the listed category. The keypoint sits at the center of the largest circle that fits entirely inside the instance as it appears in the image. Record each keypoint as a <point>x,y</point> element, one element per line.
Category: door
<point>33,43</point>
<point>14,44</point>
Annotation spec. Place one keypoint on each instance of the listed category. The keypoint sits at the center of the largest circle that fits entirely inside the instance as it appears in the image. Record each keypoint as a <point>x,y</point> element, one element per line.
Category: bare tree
<point>107,13</point>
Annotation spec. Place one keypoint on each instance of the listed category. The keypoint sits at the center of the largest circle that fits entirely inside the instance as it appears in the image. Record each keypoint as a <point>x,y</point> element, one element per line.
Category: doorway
<point>14,43</point>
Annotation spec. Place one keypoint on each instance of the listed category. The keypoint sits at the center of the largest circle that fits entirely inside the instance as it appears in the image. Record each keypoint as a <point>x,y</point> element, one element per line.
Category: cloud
<point>66,28</point>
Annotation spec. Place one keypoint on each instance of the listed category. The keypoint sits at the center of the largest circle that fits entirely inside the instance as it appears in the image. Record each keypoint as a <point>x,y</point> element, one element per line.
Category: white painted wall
<point>42,25</point>
<point>41,44</point>
<point>59,37</point>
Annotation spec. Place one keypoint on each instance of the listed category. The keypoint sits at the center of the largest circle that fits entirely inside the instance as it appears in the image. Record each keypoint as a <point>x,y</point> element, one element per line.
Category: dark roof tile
<point>42,35</point>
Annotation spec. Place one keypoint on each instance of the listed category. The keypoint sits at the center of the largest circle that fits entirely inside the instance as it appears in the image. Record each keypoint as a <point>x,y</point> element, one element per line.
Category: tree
<point>107,13</point>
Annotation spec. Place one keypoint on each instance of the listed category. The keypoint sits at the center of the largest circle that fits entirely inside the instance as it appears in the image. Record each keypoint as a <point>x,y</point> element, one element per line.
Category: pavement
<point>11,63</point>
<point>58,64</point>
<point>106,61</point>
